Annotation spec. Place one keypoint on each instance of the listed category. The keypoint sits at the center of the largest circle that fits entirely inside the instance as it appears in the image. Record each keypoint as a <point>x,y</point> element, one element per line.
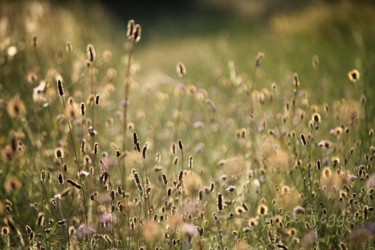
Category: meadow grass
<point>254,137</point>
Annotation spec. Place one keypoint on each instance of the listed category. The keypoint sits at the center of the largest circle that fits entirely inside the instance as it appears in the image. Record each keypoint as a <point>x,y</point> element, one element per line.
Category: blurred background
<point>206,34</point>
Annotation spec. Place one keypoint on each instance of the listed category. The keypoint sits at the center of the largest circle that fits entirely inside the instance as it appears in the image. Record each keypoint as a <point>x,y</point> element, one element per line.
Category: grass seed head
<point>354,75</point>
<point>16,107</point>
<point>219,202</point>
<point>59,153</point>
<point>262,209</point>
<point>60,178</point>
<point>181,70</point>
<point>91,54</point>
<point>137,33</point>
<point>315,62</point>
<point>130,29</point>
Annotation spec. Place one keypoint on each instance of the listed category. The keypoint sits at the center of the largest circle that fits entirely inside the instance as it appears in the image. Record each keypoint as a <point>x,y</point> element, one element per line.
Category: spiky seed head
<point>181,69</point>
<point>60,87</point>
<point>315,62</point>
<point>130,29</point>
<point>258,59</point>
<point>296,82</point>
<point>219,202</point>
<point>59,153</point>
<point>137,33</point>
<point>97,100</point>
<point>91,54</point>
<point>83,108</point>
<point>354,75</point>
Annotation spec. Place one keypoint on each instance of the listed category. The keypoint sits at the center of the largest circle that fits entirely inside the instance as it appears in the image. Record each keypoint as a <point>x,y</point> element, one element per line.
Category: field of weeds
<point>241,136</point>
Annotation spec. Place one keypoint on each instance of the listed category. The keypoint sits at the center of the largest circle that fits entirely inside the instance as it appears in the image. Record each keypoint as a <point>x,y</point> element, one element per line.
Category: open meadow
<point>233,131</point>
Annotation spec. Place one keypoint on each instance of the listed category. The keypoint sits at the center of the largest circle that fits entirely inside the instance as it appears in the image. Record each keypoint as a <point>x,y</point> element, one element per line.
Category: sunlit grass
<point>247,137</point>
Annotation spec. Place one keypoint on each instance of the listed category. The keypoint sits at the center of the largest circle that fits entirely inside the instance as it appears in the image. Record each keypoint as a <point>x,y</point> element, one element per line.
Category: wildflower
<point>309,239</point>
<point>188,229</point>
<point>38,92</point>
<point>16,107</point>
<point>107,219</point>
<point>230,188</point>
<point>84,231</point>
<point>298,210</point>
<point>83,173</point>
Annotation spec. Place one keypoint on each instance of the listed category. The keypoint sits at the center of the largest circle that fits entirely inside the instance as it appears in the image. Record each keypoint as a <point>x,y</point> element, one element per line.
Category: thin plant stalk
<point>76,157</point>
<point>126,91</point>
